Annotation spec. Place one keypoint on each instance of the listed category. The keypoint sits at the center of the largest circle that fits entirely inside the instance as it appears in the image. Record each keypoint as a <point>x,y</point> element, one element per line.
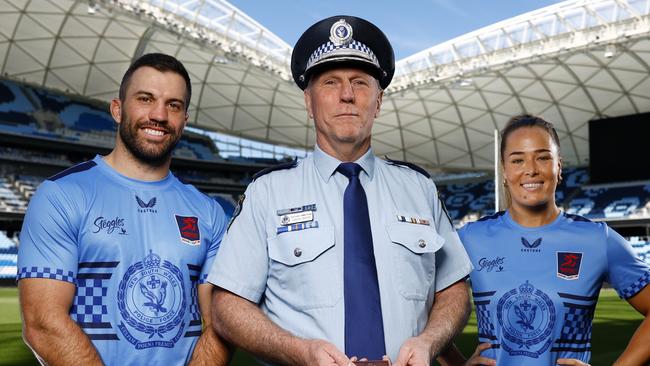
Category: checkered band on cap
<point>352,49</point>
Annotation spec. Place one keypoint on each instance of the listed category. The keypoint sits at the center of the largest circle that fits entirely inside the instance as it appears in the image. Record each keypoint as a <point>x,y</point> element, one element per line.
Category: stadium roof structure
<point>570,62</point>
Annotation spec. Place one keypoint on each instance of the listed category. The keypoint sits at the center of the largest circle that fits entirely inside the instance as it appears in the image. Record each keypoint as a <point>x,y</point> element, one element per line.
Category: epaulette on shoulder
<point>408,165</point>
<point>283,166</point>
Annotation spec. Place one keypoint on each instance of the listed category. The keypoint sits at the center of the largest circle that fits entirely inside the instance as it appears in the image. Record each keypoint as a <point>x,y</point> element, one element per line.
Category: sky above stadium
<point>411,25</point>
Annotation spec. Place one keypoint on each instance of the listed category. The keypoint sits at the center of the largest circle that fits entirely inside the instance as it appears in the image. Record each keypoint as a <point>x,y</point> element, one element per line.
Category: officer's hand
<point>415,351</point>
<point>571,361</point>
<point>322,353</point>
<point>477,359</point>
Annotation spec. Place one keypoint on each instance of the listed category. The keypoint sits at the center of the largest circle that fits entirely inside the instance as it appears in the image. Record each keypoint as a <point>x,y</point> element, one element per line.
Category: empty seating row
<point>610,202</point>
<point>8,256</point>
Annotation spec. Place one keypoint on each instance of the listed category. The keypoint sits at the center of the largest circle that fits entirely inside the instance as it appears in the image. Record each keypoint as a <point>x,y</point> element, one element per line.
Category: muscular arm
<point>637,351</point>
<point>448,316</point>
<point>210,349</point>
<point>242,323</point>
<point>447,319</point>
<point>47,327</point>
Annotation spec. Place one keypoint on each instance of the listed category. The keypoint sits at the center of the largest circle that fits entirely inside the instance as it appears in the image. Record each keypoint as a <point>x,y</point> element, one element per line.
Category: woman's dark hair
<point>526,120</point>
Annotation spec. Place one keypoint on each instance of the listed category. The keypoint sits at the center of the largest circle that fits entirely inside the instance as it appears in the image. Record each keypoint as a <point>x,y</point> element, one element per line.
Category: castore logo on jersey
<point>146,206</point>
<point>531,247</point>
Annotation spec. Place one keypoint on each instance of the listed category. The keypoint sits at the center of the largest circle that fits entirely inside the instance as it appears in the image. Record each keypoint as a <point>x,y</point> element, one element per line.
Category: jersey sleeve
<point>452,262</point>
<point>627,273</point>
<point>242,264</point>
<point>218,225</point>
<point>48,239</point>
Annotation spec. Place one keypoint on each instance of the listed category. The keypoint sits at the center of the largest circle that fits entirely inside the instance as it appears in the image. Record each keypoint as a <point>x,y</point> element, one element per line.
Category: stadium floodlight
<point>610,51</point>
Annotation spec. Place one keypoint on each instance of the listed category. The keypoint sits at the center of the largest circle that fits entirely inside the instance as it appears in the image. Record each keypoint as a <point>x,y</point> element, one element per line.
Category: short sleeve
<point>242,264</point>
<point>218,226</point>
<point>627,273</point>
<point>48,239</point>
<point>452,262</point>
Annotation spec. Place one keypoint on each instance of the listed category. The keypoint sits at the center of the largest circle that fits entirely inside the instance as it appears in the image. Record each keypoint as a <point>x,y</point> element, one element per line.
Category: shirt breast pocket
<point>304,271</point>
<point>415,259</point>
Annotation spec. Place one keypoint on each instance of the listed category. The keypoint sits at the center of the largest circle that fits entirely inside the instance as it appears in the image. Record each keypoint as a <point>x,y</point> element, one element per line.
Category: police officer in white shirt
<point>341,255</point>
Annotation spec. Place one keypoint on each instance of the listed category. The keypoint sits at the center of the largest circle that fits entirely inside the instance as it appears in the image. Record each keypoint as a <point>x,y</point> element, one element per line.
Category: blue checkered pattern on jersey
<point>204,279</point>
<point>45,272</point>
<point>88,306</point>
<point>194,303</point>
<point>637,286</point>
<point>485,326</point>
<point>577,322</point>
<point>329,47</point>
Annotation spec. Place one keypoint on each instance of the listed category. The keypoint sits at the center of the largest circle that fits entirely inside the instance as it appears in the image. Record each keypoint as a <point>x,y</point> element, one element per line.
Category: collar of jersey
<point>548,226</point>
<point>112,174</point>
<point>326,165</point>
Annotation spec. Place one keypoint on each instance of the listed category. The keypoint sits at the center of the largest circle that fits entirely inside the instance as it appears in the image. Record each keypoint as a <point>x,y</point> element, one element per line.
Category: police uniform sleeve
<point>626,272</point>
<point>48,239</point>
<point>242,264</point>
<point>218,225</point>
<point>452,262</point>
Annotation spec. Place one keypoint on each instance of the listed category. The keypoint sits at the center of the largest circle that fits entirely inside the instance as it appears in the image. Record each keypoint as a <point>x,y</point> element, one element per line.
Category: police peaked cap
<point>343,40</point>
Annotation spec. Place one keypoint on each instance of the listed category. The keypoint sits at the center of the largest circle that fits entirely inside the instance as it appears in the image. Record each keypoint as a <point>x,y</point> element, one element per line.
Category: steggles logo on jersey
<point>188,228</point>
<point>111,226</point>
<point>146,206</point>
<point>531,247</point>
<point>489,265</point>
<point>151,300</point>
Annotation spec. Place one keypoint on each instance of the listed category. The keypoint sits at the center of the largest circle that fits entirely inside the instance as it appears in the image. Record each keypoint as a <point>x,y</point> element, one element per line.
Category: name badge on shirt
<point>298,217</point>
<point>413,220</point>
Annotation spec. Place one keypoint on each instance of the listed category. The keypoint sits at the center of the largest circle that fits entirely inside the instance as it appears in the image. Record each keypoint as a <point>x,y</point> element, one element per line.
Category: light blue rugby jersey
<point>535,289</point>
<point>136,252</point>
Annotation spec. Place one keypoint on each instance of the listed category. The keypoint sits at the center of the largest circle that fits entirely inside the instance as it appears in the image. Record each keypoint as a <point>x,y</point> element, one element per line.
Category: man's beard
<point>156,155</point>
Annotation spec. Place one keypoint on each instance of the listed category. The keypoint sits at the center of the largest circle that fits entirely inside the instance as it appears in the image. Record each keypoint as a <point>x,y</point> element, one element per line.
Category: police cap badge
<point>343,40</point>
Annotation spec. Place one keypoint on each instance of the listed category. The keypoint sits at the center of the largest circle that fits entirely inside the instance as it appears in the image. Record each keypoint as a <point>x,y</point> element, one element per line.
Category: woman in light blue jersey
<point>538,270</point>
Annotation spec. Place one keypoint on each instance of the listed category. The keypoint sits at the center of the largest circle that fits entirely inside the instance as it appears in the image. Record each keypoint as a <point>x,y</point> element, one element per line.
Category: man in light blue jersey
<point>114,252</point>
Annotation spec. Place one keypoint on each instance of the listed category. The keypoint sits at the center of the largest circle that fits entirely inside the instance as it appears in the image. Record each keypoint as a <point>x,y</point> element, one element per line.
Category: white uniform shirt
<point>294,270</point>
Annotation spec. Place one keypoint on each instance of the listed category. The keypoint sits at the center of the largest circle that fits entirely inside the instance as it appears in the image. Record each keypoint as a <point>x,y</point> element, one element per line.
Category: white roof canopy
<point>570,62</point>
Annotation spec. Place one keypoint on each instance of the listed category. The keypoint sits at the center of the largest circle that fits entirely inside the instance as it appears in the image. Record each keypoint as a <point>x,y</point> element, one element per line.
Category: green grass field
<point>614,323</point>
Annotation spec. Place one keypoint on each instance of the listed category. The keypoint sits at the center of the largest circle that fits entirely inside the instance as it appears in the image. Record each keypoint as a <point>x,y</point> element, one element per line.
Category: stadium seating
<point>641,246</point>
<point>610,202</point>
<point>572,180</point>
<point>10,200</point>
<point>31,111</point>
<point>8,256</point>
<point>17,154</point>
<point>468,198</point>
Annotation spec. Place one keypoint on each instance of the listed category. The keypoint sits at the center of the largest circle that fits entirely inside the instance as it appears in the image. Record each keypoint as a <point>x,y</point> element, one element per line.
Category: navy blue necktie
<point>364,328</point>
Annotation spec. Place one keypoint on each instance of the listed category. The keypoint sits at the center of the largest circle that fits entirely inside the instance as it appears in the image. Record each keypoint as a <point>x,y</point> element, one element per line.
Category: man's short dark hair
<point>162,63</point>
